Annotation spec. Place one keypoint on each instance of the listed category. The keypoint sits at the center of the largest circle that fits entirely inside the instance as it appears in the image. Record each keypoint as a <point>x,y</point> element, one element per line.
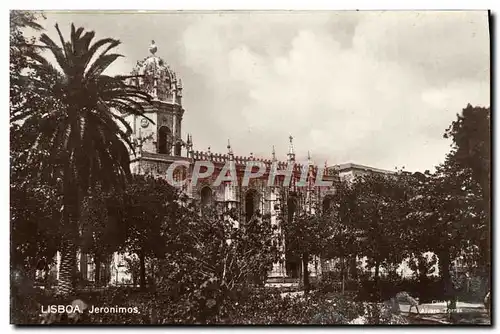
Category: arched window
<point>292,206</point>
<point>165,140</point>
<point>251,204</point>
<point>177,149</point>
<point>327,203</point>
<point>206,196</point>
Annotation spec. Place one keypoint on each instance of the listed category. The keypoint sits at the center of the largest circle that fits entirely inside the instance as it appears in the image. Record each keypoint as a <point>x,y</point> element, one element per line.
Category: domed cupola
<point>155,77</point>
<point>162,136</point>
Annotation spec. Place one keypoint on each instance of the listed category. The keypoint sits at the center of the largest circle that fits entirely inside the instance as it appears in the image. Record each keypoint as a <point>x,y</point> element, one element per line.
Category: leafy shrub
<point>385,289</point>
<point>252,306</point>
<point>266,307</point>
<point>331,283</point>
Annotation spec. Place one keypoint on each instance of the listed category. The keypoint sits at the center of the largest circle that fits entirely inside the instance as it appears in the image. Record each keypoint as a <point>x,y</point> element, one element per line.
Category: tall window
<point>206,196</point>
<point>251,204</point>
<point>292,207</point>
<point>327,203</point>
<point>165,140</point>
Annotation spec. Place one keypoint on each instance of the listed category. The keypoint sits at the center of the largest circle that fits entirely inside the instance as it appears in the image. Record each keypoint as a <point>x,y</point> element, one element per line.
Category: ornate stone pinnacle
<point>229,149</point>
<point>291,151</point>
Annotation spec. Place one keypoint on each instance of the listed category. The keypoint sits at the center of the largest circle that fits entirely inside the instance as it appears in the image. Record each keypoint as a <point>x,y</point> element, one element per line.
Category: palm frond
<point>96,46</point>
<point>56,51</point>
<point>66,50</point>
<point>100,65</point>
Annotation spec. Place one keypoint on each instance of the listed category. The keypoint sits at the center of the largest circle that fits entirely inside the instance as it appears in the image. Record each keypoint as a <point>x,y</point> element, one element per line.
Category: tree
<point>471,135</point>
<point>304,235</point>
<point>471,154</point>
<point>20,49</point>
<point>450,209</point>
<point>33,203</point>
<point>444,217</point>
<point>32,238</point>
<point>102,229</point>
<point>379,212</point>
<point>341,236</point>
<point>149,219</point>
<point>210,260</point>
<point>82,128</point>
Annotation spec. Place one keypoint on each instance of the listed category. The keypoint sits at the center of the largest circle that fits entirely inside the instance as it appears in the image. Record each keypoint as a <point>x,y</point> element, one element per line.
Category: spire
<point>189,145</point>
<point>309,161</point>
<point>291,151</point>
<point>230,150</point>
<point>229,189</point>
<point>274,163</point>
<point>153,48</point>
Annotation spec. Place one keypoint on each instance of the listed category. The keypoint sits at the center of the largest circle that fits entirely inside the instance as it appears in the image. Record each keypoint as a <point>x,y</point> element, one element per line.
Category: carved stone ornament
<point>155,76</point>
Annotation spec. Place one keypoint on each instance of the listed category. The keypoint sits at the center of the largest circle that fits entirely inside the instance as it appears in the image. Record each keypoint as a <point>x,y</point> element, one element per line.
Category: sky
<point>367,87</point>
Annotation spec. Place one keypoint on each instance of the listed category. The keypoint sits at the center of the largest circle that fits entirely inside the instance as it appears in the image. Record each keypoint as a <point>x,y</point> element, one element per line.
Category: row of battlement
<point>243,160</point>
<point>218,157</point>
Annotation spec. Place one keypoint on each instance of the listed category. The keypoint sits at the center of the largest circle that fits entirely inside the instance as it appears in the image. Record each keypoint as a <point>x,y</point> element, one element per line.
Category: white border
<point>256,4</point>
<point>191,5</point>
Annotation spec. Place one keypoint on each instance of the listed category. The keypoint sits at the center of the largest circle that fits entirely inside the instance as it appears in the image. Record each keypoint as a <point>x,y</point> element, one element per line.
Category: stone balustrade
<point>242,160</point>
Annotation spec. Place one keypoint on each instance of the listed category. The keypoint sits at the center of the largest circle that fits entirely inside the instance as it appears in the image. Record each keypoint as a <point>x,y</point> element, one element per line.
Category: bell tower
<point>154,76</point>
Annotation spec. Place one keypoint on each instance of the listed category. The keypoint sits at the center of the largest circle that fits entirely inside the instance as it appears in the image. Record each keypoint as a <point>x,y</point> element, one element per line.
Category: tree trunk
<point>485,248</point>
<point>107,270</point>
<point>377,269</point>
<point>444,271</point>
<point>69,227</point>
<point>353,268</point>
<point>83,266</point>
<point>47,277</point>
<point>342,274</point>
<point>444,266</point>
<point>305,262</point>
<point>97,278</point>
<point>65,285</point>
<point>135,273</point>
<point>142,273</point>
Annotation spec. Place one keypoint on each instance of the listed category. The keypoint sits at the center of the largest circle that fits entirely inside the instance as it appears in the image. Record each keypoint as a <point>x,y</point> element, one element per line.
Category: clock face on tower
<point>144,122</point>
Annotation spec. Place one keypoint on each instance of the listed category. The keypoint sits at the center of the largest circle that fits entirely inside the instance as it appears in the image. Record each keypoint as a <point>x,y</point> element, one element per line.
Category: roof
<point>154,76</point>
<point>350,166</point>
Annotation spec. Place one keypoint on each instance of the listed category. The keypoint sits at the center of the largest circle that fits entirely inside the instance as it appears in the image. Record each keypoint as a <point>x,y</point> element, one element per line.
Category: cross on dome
<point>291,150</point>
<point>153,48</point>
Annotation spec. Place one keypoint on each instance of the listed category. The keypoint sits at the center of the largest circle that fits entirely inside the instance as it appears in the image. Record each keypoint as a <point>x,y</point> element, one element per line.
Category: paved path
<point>433,308</point>
<point>466,313</point>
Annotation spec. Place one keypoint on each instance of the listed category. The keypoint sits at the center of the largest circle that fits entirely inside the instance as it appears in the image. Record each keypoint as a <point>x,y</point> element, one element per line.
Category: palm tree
<point>81,127</point>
